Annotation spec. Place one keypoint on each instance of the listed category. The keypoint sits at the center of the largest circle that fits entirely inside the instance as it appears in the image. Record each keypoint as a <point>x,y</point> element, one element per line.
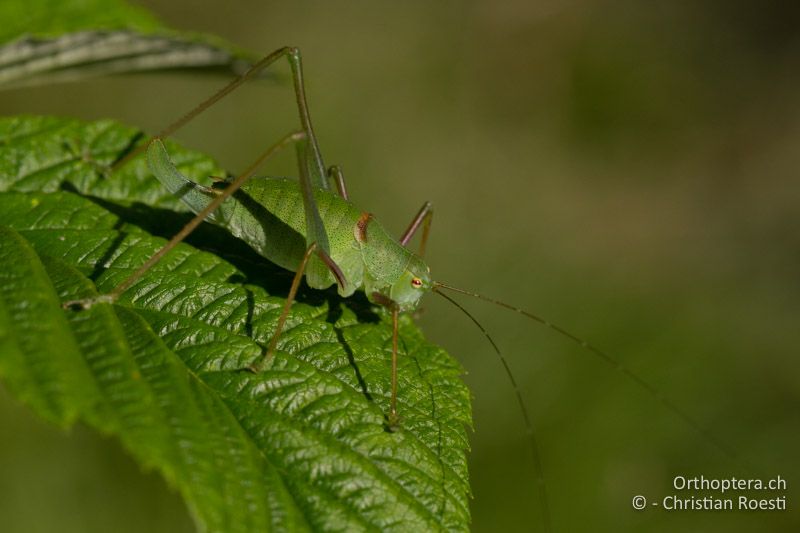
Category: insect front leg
<point>393,419</point>
<point>423,217</point>
<point>335,173</point>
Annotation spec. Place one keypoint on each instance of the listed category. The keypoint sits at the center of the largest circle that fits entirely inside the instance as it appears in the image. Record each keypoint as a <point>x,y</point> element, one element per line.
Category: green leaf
<point>300,446</point>
<point>45,41</point>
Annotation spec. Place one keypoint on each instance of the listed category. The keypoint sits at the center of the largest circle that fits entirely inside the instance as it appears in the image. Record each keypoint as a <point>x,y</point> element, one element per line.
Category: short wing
<point>196,196</point>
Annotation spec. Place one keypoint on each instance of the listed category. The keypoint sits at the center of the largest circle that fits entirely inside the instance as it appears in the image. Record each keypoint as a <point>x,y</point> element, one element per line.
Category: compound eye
<point>416,283</point>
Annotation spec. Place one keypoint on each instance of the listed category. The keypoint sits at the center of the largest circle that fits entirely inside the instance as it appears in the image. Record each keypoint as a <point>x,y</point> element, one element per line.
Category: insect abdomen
<point>279,202</point>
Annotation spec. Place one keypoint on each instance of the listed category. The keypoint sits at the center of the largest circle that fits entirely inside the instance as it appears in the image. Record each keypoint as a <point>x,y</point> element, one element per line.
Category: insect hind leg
<point>160,163</point>
<point>293,56</point>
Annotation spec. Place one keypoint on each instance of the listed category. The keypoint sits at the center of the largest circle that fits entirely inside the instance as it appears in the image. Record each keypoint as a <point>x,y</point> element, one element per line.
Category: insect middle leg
<point>273,343</point>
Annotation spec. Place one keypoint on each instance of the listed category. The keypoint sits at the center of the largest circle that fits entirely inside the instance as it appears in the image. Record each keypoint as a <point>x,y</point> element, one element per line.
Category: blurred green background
<point>629,170</point>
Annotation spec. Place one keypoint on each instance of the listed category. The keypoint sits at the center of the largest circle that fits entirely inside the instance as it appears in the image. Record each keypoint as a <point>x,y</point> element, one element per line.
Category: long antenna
<point>613,362</point>
<point>534,447</point>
